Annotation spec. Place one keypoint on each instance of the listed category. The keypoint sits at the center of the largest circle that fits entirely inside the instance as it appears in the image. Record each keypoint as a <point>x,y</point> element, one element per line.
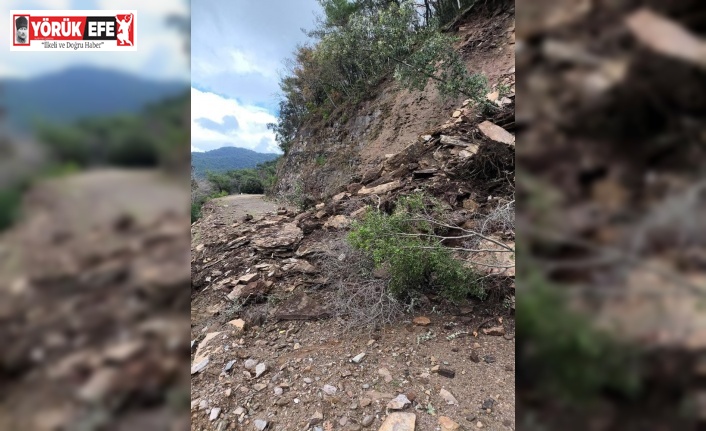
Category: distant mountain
<point>79,92</point>
<point>227,159</point>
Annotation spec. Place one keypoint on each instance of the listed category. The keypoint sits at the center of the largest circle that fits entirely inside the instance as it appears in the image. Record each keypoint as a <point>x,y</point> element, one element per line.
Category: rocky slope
<point>271,346</point>
<point>329,155</point>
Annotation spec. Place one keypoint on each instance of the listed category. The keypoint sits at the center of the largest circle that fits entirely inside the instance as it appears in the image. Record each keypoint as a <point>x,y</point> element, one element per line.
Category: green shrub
<point>410,251</point>
<point>10,201</point>
<point>564,352</point>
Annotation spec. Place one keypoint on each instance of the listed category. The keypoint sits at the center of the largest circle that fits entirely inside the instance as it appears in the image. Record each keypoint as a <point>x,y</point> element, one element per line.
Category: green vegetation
<point>405,244</point>
<point>360,43</point>
<point>258,180</point>
<point>568,356</point>
<point>150,139</point>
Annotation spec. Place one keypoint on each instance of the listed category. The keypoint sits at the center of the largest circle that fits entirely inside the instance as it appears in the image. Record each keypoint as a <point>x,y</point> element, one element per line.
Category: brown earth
<point>356,140</point>
<point>92,305</point>
<point>304,354</point>
<point>620,225</point>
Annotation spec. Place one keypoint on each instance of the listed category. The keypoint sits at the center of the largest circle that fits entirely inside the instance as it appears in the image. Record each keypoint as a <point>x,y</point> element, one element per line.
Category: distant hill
<point>227,159</point>
<point>79,92</point>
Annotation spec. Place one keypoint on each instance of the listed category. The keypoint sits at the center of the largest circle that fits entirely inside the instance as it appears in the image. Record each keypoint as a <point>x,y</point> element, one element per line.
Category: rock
<point>381,189</point>
<point>301,307</point>
<point>479,424</point>
<point>297,346</point>
<point>488,404</point>
<point>279,240</point>
<point>215,412</point>
<point>474,356</point>
<point>282,401</point>
<point>365,402</point>
<point>422,321</point>
<point>371,174</point>
<point>299,265</point>
<point>456,142</point>
<point>337,222</point>
<point>239,411</point>
<point>354,187</point>
<point>398,403</point>
<point>448,397</point>
<point>279,391</point>
<point>260,425</point>
<point>496,133</point>
<point>222,426</point>
<point>316,419</point>
<point>239,324</point>
<point>358,214</point>
<point>247,278</point>
<point>198,367</point>
<point>399,422</point>
<point>493,96</point>
<point>99,385</point>
<point>259,386</point>
<point>470,204</point>
<point>367,420</point>
<point>456,114</point>
<point>308,380</point>
<point>447,372</point>
<point>320,206</point>
<point>343,421</point>
<point>229,365</point>
<point>469,152</point>
<point>228,392</point>
<point>339,197</point>
<point>489,359</point>
<point>250,364</point>
<point>385,373</point>
<point>260,369</point>
<point>495,331</point>
<point>425,173</point>
<point>356,359</point>
<point>329,390</point>
<point>201,350</point>
<point>447,424</point>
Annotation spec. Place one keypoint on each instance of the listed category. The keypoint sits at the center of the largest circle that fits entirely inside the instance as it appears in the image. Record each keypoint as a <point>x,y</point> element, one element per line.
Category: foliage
<point>416,263</point>
<point>149,139</point>
<point>249,181</point>
<point>568,356</point>
<point>359,44</point>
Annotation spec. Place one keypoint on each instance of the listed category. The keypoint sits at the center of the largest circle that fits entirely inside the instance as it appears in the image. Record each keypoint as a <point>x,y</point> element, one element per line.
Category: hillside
<point>380,294</point>
<point>227,159</point>
<point>80,92</point>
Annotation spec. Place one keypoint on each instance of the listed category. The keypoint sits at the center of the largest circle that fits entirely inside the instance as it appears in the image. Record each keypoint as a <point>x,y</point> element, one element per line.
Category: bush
<point>409,249</point>
<point>568,357</point>
<point>361,43</point>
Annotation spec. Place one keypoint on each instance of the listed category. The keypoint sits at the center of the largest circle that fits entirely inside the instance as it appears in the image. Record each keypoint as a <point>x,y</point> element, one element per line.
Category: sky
<point>159,54</point>
<point>238,53</point>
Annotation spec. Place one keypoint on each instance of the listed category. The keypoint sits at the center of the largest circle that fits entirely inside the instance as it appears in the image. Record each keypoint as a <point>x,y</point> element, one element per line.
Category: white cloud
<point>252,123</point>
<point>145,6</point>
<point>195,149</point>
<point>160,53</point>
<point>54,4</point>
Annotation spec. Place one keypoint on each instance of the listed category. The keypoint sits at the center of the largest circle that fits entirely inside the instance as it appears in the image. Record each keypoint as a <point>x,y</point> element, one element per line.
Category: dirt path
<point>228,209</point>
<point>310,380</point>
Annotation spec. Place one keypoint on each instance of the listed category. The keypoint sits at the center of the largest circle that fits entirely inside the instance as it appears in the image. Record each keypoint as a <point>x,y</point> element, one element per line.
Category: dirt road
<point>308,378</point>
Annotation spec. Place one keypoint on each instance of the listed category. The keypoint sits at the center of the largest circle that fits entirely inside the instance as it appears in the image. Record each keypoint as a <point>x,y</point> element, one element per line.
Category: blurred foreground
<point>611,111</point>
<point>94,305</point>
